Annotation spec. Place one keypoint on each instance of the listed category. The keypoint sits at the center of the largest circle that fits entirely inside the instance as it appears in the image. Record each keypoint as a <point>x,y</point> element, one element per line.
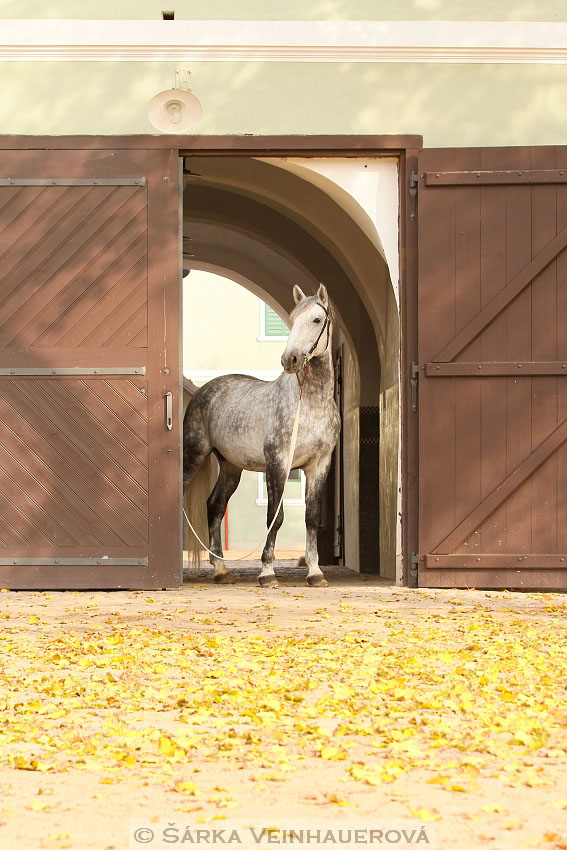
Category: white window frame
<point>262,335</point>
<point>260,500</point>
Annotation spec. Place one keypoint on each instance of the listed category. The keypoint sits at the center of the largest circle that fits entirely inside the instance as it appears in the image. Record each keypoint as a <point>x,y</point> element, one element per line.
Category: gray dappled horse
<point>247,423</point>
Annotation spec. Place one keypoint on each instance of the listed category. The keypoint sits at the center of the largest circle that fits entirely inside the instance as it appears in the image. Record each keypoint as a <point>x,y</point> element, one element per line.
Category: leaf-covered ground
<point>209,705</point>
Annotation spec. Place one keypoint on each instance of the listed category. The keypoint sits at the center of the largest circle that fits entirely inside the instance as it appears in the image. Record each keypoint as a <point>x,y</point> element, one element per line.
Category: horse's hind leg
<point>275,482</point>
<point>197,479</point>
<point>315,474</point>
<point>227,482</point>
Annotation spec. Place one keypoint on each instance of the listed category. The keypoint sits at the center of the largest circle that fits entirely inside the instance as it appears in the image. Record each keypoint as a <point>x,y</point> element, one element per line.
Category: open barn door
<point>492,326</point>
<point>89,357</point>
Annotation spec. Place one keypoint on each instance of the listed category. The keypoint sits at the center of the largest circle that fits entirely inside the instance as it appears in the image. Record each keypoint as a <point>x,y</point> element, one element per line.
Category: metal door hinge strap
<point>75,370</point>
<point>413,382</point>
<point>73,181</point>
<point>64,562</point>
<point>413,184</point>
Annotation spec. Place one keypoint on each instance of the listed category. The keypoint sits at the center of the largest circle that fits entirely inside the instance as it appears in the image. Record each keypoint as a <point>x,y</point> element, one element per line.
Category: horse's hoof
<point>301,562</point>
<point>316,581</point>
<point>268,581</point>
<point>224,578</point>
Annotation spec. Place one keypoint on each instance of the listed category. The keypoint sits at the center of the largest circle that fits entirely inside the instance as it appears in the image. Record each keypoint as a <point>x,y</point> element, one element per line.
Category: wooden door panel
<point>66,276</point>
<point>77,460</point>
<point>492,349</point>
<point>89,473</point>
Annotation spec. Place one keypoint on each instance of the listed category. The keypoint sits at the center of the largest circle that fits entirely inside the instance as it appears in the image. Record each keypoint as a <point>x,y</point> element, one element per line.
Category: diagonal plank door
<point>492,324</point>
<point>89,350</point>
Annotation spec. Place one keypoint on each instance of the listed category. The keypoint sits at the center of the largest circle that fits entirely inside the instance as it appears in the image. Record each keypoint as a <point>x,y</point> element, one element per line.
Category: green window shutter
<point>273,325</point>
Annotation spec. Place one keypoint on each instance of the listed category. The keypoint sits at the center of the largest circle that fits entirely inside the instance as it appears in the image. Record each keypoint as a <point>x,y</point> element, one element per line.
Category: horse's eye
<point>316,321</point>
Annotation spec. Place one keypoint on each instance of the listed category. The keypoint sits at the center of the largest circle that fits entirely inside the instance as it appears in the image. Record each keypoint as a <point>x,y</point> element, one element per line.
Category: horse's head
<point>310,328</point>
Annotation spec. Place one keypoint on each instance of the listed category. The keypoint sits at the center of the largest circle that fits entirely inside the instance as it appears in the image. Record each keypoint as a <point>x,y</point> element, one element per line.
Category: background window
<point>271,325</point>
<point>294,492</point>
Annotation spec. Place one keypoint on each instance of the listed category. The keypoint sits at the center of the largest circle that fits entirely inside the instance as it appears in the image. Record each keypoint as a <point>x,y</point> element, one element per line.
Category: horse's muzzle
<point>291,362</point>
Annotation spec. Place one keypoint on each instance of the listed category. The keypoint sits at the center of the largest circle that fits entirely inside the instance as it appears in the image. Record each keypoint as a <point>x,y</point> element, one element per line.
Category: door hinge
<point>413,185</point>
<point>413,384</point>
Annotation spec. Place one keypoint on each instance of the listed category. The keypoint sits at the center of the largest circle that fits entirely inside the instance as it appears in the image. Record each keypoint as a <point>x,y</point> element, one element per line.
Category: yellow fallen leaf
<point>185,787</point>
<point>38,805</point>
<point>166,746</point>
<point>425,814</point>
<point>338,801</point>
<point>331,753</point>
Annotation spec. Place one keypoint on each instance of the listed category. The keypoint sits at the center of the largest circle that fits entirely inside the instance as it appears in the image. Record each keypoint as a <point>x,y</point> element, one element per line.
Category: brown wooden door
<point>89,350</point>
<point>492,325</point>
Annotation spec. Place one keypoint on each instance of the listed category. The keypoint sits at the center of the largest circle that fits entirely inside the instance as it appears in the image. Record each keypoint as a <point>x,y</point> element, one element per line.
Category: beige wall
<point>385,10</point>
<point>221,327</point>
<point>449,104</point>
<point>504,104</point>
<point>221,324</point>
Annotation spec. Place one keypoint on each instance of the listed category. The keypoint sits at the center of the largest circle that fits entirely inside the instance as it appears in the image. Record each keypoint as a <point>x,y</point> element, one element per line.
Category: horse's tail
<point>195,502</point>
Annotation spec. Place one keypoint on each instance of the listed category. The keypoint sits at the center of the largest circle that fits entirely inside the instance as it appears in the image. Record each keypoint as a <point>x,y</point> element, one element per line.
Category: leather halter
<point>326,324</point>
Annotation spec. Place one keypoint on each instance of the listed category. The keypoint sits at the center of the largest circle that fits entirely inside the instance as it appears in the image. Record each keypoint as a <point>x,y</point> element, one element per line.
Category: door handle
<point>169,411</point>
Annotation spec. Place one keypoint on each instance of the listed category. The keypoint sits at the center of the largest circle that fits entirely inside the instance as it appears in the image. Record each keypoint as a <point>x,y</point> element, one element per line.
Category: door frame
<point>406,149</point>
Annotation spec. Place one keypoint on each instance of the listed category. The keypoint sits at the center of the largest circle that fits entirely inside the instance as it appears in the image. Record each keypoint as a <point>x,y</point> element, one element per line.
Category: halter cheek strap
<point>326,324</point>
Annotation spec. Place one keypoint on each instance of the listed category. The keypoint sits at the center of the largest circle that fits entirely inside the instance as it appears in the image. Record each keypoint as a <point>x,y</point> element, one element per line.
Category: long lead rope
<point>289,463</point>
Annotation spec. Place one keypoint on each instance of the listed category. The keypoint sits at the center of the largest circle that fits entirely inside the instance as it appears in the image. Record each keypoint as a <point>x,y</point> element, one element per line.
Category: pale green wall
<point>450,105</point>
<point>220,331</point>
<point>386,10</point>
<point>247,521</point>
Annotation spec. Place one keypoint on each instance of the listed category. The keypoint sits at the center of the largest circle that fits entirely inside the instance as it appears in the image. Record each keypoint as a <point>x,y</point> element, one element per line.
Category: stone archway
<point>269,227</point>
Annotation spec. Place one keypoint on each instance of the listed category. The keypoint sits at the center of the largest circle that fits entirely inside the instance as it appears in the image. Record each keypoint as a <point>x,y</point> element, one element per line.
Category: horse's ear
<point>322,295</point>
<point>298,294</point>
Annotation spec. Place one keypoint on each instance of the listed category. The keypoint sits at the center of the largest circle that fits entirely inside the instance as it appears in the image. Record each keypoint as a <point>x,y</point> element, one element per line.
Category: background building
<point>339,141</point>
<point>229,329</point>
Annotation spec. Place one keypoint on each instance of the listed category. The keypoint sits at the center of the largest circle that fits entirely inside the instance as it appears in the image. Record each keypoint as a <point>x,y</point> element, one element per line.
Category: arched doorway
<point>269,223</point>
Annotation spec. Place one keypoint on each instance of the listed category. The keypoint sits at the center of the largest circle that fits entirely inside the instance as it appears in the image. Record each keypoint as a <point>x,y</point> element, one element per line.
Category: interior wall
<point>351,460</point>
<point>390,538</point>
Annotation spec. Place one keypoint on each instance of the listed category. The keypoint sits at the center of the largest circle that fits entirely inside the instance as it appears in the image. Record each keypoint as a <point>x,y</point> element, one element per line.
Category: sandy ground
<point>85,808</point>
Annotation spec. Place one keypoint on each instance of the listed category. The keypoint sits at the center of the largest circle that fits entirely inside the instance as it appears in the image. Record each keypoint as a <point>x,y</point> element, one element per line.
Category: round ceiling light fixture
<point>174,111</point>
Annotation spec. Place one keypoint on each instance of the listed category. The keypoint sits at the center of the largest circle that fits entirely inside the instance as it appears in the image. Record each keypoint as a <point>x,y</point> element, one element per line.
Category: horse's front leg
<point>275,483</point>
<point>315,475</point>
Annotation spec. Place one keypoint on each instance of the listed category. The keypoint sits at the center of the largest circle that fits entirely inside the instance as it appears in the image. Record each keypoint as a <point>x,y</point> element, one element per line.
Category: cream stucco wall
<point>504,104</point>
<point>221,325</point>
<point>468,103</point>
<point>221,328</point>
<point>414,10</point>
